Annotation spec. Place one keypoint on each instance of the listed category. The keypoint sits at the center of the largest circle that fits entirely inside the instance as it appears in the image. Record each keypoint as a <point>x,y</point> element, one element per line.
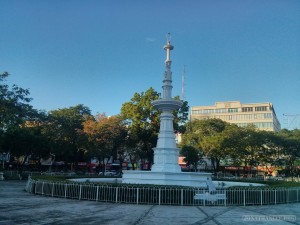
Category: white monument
<point>166,170</point>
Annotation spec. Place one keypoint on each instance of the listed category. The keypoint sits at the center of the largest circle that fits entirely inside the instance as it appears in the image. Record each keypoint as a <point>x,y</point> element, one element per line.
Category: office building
<point>262,115</point>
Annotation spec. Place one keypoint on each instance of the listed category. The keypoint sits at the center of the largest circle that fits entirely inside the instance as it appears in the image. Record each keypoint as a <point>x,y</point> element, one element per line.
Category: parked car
<point>108,173</point>
<point>270,177</point>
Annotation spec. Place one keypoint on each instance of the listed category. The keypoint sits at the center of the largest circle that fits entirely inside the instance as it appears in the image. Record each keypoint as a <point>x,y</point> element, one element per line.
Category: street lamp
<point>105,162</point>
<point>3,156</point>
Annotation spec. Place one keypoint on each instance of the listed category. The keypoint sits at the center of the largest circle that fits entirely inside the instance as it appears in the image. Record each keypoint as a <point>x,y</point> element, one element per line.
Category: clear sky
<point>99,53</point>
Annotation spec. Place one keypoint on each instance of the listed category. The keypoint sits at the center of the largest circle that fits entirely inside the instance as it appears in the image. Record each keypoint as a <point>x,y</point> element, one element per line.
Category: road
<point>19,207</point>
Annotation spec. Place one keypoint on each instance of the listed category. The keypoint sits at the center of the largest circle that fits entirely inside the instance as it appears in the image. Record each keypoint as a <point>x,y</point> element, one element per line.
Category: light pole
<point>105,162</point>
<point>3,155</point>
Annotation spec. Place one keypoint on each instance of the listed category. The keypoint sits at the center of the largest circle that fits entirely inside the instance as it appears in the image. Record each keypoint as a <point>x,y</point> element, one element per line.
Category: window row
<point>258,125</point>
<point>241,116</point>
<point>230,110</point>
<point>214,111</point>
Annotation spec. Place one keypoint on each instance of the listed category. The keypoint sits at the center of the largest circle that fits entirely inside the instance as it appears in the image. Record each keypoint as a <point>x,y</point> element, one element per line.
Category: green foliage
<point>20,132</point>
<point>181,117</point>
<point>192,155</point>
<point>143,122</point>
<point>64,130</point>
<point>106,136</point>
<point>14,107</point>
<point>207,135</point>
<point>290,147</point>
<point>243,145</point>
<point>73,133</point>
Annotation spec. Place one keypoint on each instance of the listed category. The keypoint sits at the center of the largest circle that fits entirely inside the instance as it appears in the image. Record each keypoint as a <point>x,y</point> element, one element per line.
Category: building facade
<point>262,115</point>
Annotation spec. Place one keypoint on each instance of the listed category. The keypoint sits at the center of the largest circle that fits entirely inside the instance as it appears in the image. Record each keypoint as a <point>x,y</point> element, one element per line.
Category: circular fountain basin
<point>227,184</point>
<point>218,184</point>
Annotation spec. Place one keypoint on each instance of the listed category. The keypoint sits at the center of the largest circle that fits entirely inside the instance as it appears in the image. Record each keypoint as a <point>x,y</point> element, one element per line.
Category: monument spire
<point>166,152</point>
<point>165,169</point>
<point>167,87</point>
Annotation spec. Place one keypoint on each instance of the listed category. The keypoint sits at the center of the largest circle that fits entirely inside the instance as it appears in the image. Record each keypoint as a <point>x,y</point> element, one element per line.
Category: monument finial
<point>168,36</point>
<point>168,47</point>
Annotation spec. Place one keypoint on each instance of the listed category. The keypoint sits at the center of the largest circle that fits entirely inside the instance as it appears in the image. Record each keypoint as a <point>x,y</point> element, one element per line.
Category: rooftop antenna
<point>168,36</point>
<point>182,88</point>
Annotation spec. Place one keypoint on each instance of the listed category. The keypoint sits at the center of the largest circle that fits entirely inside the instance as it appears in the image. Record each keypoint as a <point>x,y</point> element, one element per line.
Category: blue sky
<point>99,53</point>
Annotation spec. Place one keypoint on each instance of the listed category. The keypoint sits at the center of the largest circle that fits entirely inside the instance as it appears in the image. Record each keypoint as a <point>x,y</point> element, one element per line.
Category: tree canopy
<point>14,105</point>
<point>64,129</point>
<point>73,134</point>
<point>143,122</point>
<point>106,136</point>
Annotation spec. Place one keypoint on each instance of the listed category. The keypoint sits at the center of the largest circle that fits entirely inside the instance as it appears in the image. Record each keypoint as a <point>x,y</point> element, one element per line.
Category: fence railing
<point>164,195</point>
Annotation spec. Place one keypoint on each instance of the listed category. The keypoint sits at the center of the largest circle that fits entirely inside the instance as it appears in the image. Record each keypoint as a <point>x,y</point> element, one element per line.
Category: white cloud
<point>150,39</point>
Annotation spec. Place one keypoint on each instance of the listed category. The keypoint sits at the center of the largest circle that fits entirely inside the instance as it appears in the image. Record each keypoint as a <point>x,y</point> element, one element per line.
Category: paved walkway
<point>20,207</point>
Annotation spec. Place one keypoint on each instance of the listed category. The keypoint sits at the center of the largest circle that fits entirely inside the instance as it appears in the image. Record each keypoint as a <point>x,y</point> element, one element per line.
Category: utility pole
<point>182,85</point>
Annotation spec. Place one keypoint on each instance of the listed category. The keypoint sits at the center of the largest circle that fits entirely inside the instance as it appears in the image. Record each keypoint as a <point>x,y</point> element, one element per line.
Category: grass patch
<point>269,183</point>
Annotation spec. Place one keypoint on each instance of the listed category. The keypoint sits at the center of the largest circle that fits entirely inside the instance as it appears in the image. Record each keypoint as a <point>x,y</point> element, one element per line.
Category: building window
<point>261,108</point>
<point>247,109</point>
<point>268,115</point>
<point>231,110</point>
<point>220,111</point>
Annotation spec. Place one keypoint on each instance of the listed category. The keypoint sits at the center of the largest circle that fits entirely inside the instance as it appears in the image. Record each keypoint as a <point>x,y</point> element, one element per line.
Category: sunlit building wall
<point>262,115</point>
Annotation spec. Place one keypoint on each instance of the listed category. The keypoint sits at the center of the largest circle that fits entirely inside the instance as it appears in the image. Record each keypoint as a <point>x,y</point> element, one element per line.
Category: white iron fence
<point>164,195</point>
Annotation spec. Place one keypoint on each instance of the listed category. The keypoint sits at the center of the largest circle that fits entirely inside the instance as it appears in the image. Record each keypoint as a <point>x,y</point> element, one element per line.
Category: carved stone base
<point>166,178</point>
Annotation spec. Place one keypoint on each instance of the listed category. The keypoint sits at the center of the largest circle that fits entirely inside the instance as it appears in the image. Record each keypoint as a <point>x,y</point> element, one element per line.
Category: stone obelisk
<point>166,153</point>
<point>166,170</point>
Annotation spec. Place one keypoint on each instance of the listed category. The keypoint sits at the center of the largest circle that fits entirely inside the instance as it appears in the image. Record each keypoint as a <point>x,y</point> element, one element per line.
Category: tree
<point>181,117</point>
<point>255,149</point>
<point>13,104</point>
<point>271,154</point>
<point>233,146</point>
<point>64,129</point>
<point>290,148</point>
<point>106,136</point>
<point>27,141</point>
<point>19,132</point>
<point>143,122</point>
<point>207,135</point>
<point>248,146</point>
<point>192,155</point>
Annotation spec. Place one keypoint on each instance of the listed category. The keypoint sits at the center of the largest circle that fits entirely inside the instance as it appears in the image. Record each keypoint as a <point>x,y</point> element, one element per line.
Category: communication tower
<point>291,121</point>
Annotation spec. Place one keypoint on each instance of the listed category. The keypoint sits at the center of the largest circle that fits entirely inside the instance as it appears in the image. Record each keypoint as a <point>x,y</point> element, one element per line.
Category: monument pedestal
<point>191,179</point>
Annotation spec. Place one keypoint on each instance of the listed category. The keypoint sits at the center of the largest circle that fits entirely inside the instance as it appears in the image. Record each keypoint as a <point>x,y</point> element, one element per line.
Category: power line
<point>291,121</point>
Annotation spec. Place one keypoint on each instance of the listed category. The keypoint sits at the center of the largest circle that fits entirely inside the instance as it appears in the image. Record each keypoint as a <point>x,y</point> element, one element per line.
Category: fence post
<point>52,189</point>
<point>97,193</point>
<point>35,187</point>
<point>225,200</point>
<point>261,197</point>
<point>117,195</point>
<point>43,188</point>
<point>80,191</point>
<point>159,193</point>
<point>137,196</point>
<point>181,196</point>
<point>65,190</point>
<point>244,196</point>
<point>275,196</point>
